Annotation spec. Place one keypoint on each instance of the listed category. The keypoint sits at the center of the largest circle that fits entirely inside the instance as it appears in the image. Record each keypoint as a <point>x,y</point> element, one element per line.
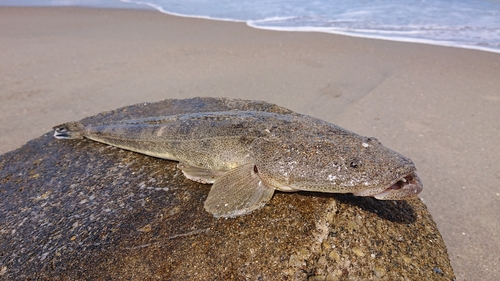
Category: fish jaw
<point>404,188</point>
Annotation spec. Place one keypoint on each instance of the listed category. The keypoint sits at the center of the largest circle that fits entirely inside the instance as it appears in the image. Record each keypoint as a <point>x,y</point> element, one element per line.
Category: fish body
<point>247,153</point>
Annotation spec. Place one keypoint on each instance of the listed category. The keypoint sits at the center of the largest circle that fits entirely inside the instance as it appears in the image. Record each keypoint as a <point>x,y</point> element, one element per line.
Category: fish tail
<point>70,130</point>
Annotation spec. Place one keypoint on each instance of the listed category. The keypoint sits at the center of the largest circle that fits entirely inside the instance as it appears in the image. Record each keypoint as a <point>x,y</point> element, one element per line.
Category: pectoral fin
<point>199,174</point>
<point>238,192</point>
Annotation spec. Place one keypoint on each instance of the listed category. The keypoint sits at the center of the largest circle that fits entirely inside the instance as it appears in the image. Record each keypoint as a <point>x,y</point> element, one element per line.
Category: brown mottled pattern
<point>288,151</point>
<point>80,210</point>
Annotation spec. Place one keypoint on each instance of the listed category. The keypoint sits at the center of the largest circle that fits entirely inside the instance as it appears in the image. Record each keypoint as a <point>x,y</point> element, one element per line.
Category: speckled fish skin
<point>247,154</point>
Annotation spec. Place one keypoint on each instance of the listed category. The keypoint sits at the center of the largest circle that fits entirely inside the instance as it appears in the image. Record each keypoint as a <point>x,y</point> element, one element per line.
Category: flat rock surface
<point>82,210</point>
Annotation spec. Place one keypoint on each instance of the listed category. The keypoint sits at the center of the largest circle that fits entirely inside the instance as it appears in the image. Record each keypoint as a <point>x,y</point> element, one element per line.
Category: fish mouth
<point>405,187</point>
<point>408,186</point>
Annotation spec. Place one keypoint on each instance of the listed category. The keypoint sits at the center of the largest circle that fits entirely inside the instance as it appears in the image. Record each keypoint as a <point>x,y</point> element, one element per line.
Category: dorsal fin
<point>172,107</point>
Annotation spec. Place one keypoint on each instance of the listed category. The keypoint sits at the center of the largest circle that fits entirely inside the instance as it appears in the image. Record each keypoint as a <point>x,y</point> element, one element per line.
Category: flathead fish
<point>248,152</point>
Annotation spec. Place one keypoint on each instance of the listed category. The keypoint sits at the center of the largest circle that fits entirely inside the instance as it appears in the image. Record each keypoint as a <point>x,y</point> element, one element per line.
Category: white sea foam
<point>473,24</point>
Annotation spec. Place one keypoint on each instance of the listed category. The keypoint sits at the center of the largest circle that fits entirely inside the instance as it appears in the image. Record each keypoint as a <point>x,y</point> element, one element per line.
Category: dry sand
<point>440,106</point>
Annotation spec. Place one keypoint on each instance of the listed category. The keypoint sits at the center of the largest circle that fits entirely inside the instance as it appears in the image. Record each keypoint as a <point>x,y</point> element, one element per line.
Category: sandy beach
<point>439,106</point>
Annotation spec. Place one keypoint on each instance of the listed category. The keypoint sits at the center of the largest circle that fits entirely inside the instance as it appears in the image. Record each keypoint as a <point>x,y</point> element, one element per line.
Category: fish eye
<point>355,163</point>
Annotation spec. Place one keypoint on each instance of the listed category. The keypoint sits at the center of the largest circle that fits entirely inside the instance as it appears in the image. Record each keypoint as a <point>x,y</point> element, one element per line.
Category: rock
<point>82,210</point>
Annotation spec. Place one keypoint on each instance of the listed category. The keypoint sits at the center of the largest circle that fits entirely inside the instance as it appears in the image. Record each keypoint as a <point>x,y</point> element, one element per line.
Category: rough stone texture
<point>81,210</point>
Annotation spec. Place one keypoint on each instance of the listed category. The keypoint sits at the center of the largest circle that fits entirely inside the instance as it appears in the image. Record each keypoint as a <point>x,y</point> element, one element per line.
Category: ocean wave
<point>473,24</point>
<point>463,24</point>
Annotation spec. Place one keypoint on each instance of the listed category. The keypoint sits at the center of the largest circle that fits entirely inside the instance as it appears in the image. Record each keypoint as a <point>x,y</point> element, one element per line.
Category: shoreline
<point>437,105</point>
<point>130,5</point>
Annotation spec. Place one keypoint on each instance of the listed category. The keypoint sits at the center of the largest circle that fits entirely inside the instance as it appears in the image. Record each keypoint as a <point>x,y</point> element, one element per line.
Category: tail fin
<point>70,130</point>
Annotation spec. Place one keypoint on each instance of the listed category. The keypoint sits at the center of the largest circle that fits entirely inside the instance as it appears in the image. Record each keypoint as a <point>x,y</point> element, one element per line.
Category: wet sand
<point>440,106</point>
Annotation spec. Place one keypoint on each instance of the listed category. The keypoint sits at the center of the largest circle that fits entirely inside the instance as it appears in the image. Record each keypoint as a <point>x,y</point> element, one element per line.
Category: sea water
<point>473,24</point>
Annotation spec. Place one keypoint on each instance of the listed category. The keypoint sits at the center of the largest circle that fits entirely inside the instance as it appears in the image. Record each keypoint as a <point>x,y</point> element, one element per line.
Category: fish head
<point>344,163</point>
